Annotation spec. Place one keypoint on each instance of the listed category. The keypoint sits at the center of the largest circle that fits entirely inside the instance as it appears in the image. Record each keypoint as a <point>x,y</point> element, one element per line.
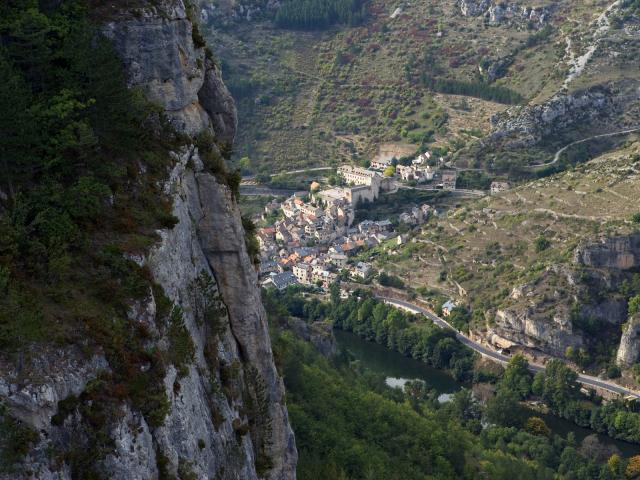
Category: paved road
<point>498,357</point>
<point>290,172</point>
<point>252,190</point>
<point>556,157</point>
<point>457,191</point>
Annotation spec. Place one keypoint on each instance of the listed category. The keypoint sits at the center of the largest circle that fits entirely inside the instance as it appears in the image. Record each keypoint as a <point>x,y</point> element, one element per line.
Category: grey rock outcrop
<point>548,314</point>
<point>496,68</point>
<point>33,390</point>
<point>218,103</point>
<point>620,253</point>
<point>209,240</point>
<point>610,310</point>
<point>538,320</point>
<point>496,13</point>
<point>474,8</point>
<point>134,455</point>
<point>499,12</point>
<point>523,327</point>
<point>629,348</point>
<point>159,55</point>
<point>176,264</point>
<point>520,127</point>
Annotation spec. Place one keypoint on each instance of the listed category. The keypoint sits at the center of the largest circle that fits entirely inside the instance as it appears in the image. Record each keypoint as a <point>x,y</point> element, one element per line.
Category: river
<point>399,369</point>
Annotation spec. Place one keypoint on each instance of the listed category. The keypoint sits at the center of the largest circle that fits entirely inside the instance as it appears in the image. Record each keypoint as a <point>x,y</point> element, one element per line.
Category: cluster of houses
<point>420,171</point>
<point>364,185</point>
<point>410,173</point>
<point>313,260</point>
<point>316,237</point>
<point>417,215</point>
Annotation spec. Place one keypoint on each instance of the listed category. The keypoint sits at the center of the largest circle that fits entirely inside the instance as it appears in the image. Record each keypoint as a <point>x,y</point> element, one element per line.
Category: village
<point>315,238</point>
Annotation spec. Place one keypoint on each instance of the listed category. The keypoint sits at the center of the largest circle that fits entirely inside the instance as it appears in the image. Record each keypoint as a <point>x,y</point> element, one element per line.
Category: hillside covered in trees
<point>318,14</point>
<point>349,425</point>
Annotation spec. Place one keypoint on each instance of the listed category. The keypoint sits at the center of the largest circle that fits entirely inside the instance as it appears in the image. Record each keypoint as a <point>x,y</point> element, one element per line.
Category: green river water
<point>398,369</point>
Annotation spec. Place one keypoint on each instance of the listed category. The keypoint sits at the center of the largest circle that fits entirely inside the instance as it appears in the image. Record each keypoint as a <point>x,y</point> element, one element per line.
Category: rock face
<point>473,8</point>
<point>526,126</point>
<point>208,240</point>
<point>629,348</point>
<point>617,254</point>
<point>158,51</point>
<point>503,12</point>
<point>54,374</point>
<point>160,56</point>
<point>227,418</point>
<point>217,102</point>
<point>523,327</point>
<point>320,334</point>
<point>538,320</point>
<point>620,253</point>
<point>559,308</point>
<point>496,68</point>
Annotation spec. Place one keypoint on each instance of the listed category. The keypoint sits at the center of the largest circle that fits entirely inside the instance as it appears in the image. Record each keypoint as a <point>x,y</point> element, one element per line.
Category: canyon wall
<point>226,417</point>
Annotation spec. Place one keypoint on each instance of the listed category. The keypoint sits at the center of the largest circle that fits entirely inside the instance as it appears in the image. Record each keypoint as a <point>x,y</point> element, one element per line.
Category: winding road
<point>556,157</point>
<point>498,357</point>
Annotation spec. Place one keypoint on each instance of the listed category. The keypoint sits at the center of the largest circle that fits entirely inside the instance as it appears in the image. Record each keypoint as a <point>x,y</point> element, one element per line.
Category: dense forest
<point>318,14</point>
<point>349,425</point>
<point>71,135</point>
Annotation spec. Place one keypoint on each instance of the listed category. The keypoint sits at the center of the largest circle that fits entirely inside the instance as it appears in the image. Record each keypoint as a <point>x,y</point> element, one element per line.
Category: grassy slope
<point>488,247</point>
<point>337,95</point>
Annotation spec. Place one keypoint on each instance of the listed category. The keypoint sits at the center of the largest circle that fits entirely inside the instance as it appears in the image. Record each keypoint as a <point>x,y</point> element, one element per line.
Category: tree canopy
<point>319,14</point>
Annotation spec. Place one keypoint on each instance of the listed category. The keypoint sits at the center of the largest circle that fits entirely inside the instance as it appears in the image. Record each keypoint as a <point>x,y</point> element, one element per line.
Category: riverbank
<point>398,369</point>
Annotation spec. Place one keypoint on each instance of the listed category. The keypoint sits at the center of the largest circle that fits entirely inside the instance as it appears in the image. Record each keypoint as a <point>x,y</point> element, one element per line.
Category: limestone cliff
<point>574,305</point>
<point>601,107</point>
<point>159,54</point>
<point>620,253</point>
<point>538,316</point>
<point>226,416</point>
<point>525,126</point>
<point>629,348</point>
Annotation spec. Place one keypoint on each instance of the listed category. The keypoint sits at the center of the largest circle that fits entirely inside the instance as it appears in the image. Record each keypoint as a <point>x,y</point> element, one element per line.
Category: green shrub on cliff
<point>82,160</point>
<point>15,441</point>
<point>634,305</point>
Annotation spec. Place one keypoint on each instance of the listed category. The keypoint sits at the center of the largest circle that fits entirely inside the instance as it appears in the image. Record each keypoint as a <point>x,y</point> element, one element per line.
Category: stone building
<point>449,179</point>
